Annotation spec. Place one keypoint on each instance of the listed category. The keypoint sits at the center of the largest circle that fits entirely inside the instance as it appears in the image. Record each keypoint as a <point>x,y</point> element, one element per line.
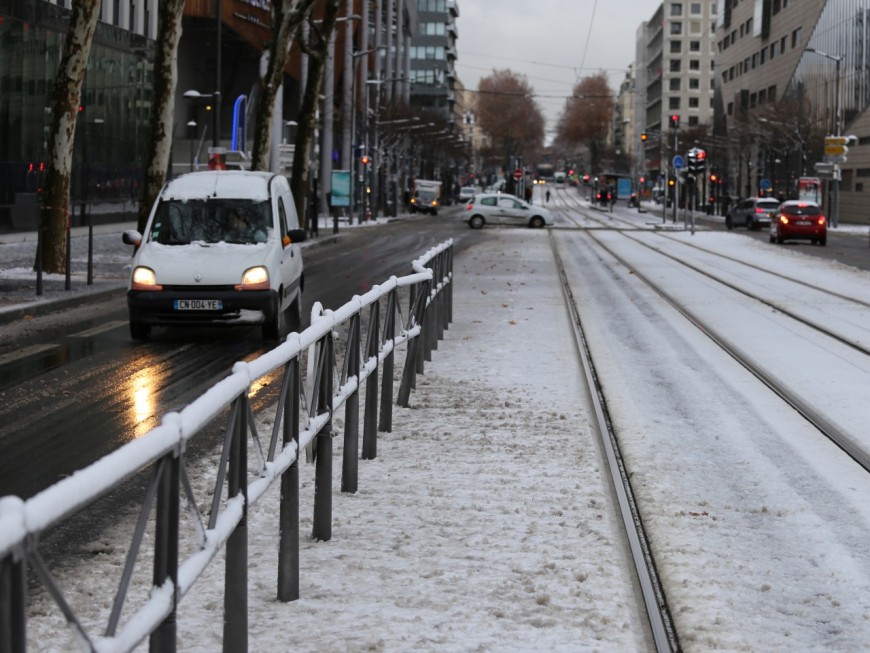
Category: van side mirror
<point>132,237</point>
<point>296,235</point>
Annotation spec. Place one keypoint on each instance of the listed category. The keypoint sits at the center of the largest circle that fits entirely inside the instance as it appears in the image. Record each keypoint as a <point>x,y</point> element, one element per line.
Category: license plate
<point>197,304</point>
<point>803,223</point>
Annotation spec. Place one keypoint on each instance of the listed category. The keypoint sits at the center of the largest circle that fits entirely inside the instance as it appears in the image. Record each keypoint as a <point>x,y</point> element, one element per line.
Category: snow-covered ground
<point>486,524</point>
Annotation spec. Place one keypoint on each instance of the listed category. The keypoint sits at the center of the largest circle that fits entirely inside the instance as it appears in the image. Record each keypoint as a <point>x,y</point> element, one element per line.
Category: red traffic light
<point>675,121</point>
<point>365,160</point>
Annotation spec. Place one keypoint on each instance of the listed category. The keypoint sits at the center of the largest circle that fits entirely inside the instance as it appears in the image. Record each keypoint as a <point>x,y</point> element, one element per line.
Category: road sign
<point>836,147</point>
<point>679,162</point>
<point>765,184</point>
<point>826,169</point>
<point>518,173</point>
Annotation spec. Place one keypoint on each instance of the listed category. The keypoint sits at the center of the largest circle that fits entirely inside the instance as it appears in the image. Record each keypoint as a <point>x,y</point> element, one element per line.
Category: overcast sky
<point>554,43</point>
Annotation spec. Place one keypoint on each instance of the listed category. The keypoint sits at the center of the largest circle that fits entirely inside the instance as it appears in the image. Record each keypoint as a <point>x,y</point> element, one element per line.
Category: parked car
<point>501,208</point>
<point>799,220</point>
<point>466,193</point>
<point>220,247</point>
<point>752,213</point>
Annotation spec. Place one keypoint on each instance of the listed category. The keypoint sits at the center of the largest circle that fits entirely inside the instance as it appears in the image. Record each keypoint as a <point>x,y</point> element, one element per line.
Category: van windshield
<point>211,221</point>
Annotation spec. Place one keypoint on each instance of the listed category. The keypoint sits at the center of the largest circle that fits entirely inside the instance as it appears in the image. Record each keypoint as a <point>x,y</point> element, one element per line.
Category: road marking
<point>99,329</point>
<point>26,352</point>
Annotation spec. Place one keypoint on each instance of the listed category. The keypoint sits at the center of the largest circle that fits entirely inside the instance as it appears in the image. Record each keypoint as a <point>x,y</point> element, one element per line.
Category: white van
<point>220,247</point>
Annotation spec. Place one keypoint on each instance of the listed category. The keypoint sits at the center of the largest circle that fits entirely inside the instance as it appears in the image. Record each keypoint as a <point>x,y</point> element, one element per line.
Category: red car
<point>799,220</point>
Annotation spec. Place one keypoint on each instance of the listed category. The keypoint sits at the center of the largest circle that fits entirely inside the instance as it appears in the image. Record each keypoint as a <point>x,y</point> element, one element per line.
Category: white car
<point>467,192</point>
<point>504,209</point>
<point>220,247</point>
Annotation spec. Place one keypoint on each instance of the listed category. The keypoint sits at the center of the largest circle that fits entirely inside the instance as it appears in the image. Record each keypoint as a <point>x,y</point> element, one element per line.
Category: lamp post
<point>191,134</point>
<point>86,168</point>
<point>196,97</point>
<point>838,130</point>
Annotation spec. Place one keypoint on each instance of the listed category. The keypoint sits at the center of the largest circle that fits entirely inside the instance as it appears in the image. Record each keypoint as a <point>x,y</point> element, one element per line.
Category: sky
<point>553,43</point>
<point>486,523</point>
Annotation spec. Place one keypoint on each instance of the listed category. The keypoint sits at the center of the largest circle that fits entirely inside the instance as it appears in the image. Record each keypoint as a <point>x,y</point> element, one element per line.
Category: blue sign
<point>678,162</point>
<point>765,184</point>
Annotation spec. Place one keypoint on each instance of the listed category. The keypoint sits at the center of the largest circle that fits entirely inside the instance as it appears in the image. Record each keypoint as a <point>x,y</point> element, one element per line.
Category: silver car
<point>753,213</point>
<point>501,208</point>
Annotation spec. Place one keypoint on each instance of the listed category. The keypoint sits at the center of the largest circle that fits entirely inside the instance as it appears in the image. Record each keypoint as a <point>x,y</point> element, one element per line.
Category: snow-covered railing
<point>303,419</point>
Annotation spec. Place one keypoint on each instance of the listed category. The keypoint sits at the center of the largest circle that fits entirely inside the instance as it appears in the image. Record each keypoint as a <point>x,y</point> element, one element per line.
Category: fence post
<point>386,415</point>
<point>236,569</point>
<point>322,523</point>
<point>288,544</point>
<point>370,418</point>
<point>349,459</point>
<point>166,548</point>
<point>13,599</point>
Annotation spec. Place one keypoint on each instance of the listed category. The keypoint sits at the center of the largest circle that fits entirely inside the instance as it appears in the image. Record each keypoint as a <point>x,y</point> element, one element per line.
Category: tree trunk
<point>162,114</point>
<point>54,215</point>
<point>307,129</point>
<point>287,15</point>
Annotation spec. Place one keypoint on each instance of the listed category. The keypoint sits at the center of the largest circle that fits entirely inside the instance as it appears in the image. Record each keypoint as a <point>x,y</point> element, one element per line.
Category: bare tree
<point>287,15</point>
<point>587,116</point>
<point>54,216</point>
<point>316,48</point>
<point>162,115</point>
<point>508,113</point>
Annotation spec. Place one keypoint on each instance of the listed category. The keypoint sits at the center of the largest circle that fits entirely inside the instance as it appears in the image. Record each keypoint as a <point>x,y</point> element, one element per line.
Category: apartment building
<point>433,58</point>
<point>789,72</point>
<point>674,74</point>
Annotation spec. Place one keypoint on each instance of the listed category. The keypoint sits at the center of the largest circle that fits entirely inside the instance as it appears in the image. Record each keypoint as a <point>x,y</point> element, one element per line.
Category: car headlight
<point>256,278</point>
<point>144,279</point>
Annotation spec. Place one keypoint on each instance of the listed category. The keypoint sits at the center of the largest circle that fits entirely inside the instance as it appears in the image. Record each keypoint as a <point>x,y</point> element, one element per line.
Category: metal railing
<point>303,421</point>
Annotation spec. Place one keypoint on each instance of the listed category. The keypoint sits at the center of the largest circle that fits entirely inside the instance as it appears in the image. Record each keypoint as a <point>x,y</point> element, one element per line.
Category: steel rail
<point>661,624</point>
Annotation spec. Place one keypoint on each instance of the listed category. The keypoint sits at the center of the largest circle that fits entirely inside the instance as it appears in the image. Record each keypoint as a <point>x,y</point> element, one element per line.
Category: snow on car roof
<point>253,185</point>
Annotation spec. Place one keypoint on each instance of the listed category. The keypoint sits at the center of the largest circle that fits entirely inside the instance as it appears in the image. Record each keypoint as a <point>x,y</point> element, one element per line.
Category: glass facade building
<point>114,106</point>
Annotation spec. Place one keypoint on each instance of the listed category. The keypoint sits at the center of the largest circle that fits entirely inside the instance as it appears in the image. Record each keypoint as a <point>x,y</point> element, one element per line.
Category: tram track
<point>659,617</point>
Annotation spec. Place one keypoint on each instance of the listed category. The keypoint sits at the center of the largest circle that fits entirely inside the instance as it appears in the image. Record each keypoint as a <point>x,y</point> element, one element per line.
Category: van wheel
<point>294,316</point>
<point>275,326</point>
<point>537,222</point>
<point>139,330</point>
<point>476,221</point>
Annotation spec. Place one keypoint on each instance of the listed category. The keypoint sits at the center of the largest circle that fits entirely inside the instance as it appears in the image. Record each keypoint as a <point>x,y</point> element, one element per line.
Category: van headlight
<point>144,279</point>
<point>255,278</point>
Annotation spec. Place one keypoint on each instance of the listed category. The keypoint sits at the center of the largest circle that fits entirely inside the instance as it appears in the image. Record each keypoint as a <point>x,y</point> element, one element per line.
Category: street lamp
<point>214,106</point>
<point>191,134</point>
<point>86,168</point>
<point>838,127</point>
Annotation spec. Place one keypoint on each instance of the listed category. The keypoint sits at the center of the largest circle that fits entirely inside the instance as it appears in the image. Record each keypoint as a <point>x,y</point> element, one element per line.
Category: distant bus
<point>544,171</point>
<point>559,179</point>
<point>810,190</point>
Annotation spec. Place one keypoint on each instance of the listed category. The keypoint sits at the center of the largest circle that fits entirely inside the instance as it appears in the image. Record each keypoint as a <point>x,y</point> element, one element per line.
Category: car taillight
<point>821,220</point>
<point>469,206</point>
<point>759,210</point>
<point>783,218</point>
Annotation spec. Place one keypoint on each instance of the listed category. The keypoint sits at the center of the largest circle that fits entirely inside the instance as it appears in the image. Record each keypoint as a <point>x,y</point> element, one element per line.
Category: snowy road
<point>759,525</point>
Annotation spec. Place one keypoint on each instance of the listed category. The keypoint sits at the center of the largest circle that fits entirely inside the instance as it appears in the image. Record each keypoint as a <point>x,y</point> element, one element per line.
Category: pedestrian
<point>548,196</point>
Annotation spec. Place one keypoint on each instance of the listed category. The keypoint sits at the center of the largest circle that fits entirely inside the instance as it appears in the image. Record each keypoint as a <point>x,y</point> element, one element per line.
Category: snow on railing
<point>303,421</point>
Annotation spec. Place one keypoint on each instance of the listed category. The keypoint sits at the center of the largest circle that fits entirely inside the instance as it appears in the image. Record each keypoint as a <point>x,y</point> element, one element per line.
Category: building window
<point>673,103</point>
<point>694,83</point>
<point>783,43</point>
<point>675,84</point>
<point>693,120</point>
<point>694,27</point>
<point>676,27</point>
<point>694,46</point>
<point>676,47</point>
<point>693,103</point>
<point>694,64</point>
<point>771,93</point>
<point>676,9</point>
<point>675,65</point>
<point>795,38</point>
<point>695,8</point>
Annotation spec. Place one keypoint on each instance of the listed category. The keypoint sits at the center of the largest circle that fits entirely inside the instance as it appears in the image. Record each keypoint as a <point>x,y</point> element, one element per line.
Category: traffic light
<point>675,121</point>
<point>713,178</point>
<point>670,181</point>
<point>642,180</point>
<point>643,137</point>
<point>365,160</point>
